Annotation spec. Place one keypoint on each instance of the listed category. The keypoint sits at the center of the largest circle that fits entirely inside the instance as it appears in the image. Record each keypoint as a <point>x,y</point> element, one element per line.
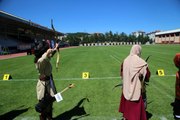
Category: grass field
<point>18,95</point>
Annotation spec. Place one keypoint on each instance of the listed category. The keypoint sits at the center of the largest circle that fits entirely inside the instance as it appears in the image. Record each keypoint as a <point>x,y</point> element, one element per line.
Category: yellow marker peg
<point>85,75</point>
<point>6,77</point>
<point>160,72</point>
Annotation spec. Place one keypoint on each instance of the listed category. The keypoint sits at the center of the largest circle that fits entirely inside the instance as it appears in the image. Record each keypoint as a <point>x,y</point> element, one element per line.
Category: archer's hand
<point>56,46</point>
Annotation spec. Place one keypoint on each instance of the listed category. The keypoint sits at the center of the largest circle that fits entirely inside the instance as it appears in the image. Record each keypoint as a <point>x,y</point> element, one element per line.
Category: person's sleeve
<point>41,64</point>
<point>51,51</point>
<point>148,74</point>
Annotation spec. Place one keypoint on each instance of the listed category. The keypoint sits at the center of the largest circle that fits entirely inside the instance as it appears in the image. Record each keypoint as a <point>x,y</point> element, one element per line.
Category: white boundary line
<point>96,78</point>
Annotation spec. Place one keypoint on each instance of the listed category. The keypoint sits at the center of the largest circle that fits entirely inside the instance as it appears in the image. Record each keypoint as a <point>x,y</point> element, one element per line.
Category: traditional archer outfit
<point>176,108</point>
<point>134,71</point>
<point>45,86</point>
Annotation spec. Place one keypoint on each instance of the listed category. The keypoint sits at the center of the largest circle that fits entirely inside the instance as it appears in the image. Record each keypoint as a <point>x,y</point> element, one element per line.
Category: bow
<point>56,38</point>
<point>148,58</point>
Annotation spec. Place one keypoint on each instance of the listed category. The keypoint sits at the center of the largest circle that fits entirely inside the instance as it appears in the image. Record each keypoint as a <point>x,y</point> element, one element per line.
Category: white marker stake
<point>58,97</point>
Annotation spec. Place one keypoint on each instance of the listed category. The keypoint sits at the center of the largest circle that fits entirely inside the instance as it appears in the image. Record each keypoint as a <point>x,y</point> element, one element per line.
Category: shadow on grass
<point>78,110</point>
<point>148,115</point>
<point>13,114</point>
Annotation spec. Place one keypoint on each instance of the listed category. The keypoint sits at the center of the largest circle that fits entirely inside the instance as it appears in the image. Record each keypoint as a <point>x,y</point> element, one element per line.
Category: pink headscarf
<point>133,66</point>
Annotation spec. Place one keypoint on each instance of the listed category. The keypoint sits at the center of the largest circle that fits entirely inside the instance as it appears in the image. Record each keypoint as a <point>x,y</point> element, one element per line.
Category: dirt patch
<point>2,57</point>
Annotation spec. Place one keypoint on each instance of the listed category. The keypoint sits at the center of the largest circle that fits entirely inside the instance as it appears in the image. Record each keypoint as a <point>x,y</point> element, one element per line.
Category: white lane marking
<point>95,78</point>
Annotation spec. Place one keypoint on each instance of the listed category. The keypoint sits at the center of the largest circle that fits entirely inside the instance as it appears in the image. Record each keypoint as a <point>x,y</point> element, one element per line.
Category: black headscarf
<point>40,48</point>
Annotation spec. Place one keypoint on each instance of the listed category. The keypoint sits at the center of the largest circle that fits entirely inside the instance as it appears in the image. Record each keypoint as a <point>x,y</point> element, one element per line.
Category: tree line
<point>74,39</point>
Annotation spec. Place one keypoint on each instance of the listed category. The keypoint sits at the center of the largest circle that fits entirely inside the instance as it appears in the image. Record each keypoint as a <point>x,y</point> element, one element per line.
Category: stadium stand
<point>18,34</point>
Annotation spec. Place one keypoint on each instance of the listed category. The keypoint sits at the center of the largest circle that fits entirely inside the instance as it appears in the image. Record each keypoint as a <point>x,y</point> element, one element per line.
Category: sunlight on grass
<point>100,100</point>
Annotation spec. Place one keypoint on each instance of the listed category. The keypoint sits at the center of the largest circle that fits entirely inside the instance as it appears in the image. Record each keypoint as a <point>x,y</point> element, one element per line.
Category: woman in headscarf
<point>134,73</point>
<point>177,88</point>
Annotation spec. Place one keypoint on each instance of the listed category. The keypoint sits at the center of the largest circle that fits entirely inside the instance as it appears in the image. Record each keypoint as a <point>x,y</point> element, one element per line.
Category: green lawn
<point>18,95</point>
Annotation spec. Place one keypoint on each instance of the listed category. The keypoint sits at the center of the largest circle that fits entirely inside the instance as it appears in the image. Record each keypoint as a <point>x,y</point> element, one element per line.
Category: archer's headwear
<point>177,60</point>
<point>40,48</point>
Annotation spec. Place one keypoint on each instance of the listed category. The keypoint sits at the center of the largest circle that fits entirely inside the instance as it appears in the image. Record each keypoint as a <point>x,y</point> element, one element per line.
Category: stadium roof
<point>11,20</point>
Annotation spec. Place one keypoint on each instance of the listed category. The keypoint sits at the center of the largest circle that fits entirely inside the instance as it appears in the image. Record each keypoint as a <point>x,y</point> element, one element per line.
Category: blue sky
<point>98,15</point>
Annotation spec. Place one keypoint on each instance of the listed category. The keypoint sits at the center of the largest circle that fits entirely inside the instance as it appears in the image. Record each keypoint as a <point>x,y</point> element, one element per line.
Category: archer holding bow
<point>134,72</point>
<point>45,86</point>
